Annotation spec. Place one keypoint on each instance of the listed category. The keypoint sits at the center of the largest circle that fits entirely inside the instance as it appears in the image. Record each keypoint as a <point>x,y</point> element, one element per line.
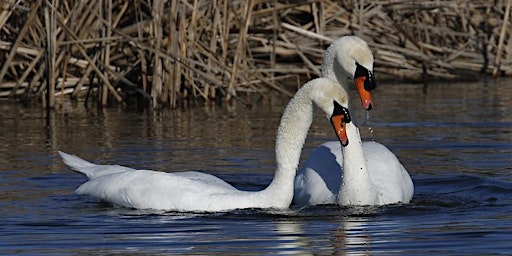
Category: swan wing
<point>388,175</point>
<point>146,189</point>
<point>94,171</point>
<point>318,181</point>
<point>205,178</point>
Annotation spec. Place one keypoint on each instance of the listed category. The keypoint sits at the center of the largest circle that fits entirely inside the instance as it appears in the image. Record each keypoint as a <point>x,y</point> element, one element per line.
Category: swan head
<point>332,99</point>
<point>350,57</point>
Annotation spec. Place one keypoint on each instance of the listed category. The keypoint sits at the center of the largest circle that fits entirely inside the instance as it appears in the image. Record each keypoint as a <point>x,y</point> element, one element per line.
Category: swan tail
<point>89,169</point>
<point>77,164</point>
<point>74,162</point>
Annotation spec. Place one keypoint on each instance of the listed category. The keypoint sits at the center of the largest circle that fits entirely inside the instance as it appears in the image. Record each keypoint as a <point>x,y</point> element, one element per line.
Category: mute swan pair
<point>362,173</point>
<point>196,191</point>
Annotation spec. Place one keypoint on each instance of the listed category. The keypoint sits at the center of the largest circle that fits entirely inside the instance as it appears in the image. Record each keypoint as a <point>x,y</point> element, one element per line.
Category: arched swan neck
<point>332,66</point>
<point>334,70</point>
<point>292,132</point>
<point>291,135</point>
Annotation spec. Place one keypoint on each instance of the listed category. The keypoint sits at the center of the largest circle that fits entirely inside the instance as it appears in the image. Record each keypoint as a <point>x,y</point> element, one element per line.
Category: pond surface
<point>454,139</point>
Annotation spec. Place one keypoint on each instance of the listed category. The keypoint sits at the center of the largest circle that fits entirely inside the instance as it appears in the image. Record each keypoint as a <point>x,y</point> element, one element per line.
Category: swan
<point>201,192</point>
<point>363,173</point>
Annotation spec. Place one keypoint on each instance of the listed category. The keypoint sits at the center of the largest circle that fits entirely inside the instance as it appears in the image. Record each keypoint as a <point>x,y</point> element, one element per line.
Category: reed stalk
<point>166,52</point>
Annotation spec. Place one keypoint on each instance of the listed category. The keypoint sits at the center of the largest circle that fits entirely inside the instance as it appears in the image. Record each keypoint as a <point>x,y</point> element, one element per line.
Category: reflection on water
<point>454,139</point>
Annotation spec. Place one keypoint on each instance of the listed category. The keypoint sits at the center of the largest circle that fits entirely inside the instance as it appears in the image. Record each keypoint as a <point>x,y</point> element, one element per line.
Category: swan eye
<point>339,110</point>
<point>347,115</point>
<point>369,82</point>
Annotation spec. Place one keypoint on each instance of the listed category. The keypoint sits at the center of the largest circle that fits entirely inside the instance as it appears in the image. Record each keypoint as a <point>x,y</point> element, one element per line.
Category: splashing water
<point>370,129</point>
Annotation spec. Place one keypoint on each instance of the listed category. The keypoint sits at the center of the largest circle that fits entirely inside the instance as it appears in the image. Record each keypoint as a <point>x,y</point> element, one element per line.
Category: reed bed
<point>162,52</point>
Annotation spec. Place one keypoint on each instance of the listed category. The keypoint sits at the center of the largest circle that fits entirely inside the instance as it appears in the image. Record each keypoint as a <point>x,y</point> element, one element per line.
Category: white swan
<point>195,191</point>
<point>363,173</point>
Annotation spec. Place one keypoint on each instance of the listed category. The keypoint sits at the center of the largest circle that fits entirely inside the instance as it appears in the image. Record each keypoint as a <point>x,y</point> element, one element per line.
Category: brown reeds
<point>165,51</point>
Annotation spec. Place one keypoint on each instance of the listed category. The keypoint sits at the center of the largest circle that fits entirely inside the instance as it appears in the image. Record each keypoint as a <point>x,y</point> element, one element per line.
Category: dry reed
<point>166,51</point>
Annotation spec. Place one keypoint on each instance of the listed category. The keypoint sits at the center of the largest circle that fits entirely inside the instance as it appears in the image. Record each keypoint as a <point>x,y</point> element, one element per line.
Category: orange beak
<point>365,95</point>
<point>340,127</point>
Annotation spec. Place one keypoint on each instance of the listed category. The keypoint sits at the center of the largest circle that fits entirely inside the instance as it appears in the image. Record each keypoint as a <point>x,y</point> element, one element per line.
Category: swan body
<point>320,180</point>
<point>196,191</point>
<point>362,173</point>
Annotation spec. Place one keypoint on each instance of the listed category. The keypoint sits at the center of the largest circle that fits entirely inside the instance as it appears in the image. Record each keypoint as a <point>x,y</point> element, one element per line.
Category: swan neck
<point>332,67</point>
<point>356,188</point>
<point>291,135</point>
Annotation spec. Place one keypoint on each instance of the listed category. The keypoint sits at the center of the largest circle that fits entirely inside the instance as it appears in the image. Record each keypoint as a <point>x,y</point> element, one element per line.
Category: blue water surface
<point>455,139</point>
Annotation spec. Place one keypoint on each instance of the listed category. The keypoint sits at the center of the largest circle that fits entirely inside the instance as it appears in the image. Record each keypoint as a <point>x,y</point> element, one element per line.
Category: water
<point>454,139</point>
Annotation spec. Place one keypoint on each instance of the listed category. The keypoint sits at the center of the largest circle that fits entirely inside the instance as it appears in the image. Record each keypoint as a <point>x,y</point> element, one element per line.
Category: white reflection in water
<point>350,237</point>
<point>291,238</point>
